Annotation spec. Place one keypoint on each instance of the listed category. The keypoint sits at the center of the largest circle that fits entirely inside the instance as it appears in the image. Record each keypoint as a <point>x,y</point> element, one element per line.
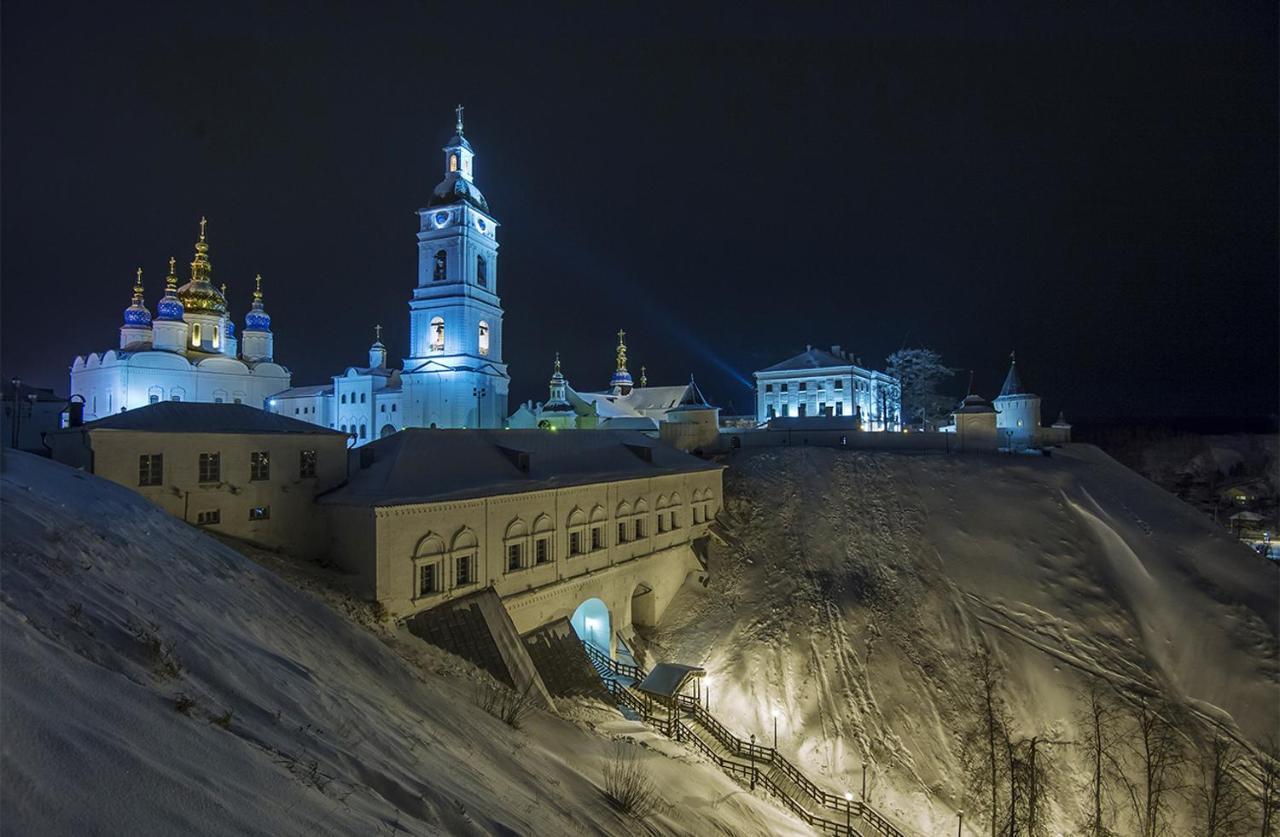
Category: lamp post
<point>752,755</point>
<point>848,811</point>
<point>479,393</point>
<point>864,781</point>
<point>17,412</point>
<point>960,824</point>
<point>775,730</point>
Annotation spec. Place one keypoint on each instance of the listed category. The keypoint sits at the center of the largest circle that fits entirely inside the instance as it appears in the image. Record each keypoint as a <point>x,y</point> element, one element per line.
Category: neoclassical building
<point>187,352</point>
<point>454,375</point>
<point>817,382</point>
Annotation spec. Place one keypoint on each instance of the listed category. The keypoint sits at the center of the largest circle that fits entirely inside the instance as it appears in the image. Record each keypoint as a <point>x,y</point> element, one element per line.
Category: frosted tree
<point>1098,719</point>
<point>920,372</point>
<point>1220,801</point>
<point>1266,766</point>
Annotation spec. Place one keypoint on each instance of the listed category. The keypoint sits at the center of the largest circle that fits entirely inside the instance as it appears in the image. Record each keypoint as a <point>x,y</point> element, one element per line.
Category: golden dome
<point>199,294</point>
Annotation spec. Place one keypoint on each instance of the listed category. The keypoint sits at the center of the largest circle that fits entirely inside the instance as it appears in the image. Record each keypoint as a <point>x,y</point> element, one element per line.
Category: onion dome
<point>199,295</point>
<point>170,306</point>
<point>558,401</point>
<point>137,314</point>
<point>257,319</point>
<point>621,377</point>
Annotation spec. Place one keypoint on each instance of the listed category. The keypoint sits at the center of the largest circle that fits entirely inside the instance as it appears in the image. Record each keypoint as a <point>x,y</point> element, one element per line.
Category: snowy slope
<point>852,587</point>
<point>300,722</point>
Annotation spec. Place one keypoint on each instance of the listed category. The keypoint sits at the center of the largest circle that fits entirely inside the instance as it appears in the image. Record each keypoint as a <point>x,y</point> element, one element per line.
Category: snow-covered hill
<point>852,589</point>
<point>155,681</point>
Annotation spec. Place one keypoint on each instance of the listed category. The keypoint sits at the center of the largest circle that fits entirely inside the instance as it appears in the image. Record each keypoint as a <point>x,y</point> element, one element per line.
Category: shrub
<point>507,705</point>
<point>627,784</point>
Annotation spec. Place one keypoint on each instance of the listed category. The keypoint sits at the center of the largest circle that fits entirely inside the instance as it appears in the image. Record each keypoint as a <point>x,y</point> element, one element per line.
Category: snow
<point>850,588</point>
<point>300,720</point>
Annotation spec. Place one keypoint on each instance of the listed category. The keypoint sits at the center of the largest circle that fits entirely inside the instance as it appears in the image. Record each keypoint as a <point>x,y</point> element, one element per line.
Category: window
<point>153,398</point>
<point>464,574</point>
<point>344,398</point>
<point>541,550</point>
<point>803,386</point>
<point>195,334</point>
<point>260,513</point>
<point>675,519</point>
<point>784,387</point>
<point>362,398</point>
<point>393,408</point>
<point>597,537</point>
<point>427,580</point>
<point>382,408</point>
<point>801,409</point>
<point>773,411</point>
<point>235,400</point>
<point>151,469</point>
<point>514,558</point>
<point>344,428</point>
<point>437,334</point>
<point>364,431</point>
<point>482,278</point>
<point>639,528</point>
<point>484,337</point>
<point>210,467</point>
<point>259,465</point>
<point>662,521</point>
<point>441,266</point>
<point>768,387</point>
<point>839,384</point>
<point>453,162</point>
<point>839,408</point>
<point>208,518</point>
<point>575,543</point>
<point>622,531</point>
<point>175,397</point>
<point>306,464</point>
<point>296,411</point>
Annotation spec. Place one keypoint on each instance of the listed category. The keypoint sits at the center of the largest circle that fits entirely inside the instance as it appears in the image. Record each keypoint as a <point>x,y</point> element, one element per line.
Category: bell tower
<point>454,375</point>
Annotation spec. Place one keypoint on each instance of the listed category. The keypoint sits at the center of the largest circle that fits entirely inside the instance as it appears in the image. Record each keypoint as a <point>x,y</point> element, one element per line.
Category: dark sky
<point>1095,187</point>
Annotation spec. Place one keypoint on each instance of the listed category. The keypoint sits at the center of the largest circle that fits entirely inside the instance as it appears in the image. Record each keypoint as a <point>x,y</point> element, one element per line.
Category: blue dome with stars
<point>137,316</point>
<point>169,308</point>
<point>231,328</point>
<point>257,321</point>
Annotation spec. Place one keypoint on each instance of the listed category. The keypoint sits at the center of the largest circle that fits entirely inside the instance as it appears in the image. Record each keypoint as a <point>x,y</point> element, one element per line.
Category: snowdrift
<point>157,682</point>
<point>850,589</point>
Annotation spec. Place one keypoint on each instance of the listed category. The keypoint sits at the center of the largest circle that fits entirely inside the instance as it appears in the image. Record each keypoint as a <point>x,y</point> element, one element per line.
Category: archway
<point>387,430</point>
<point>591,622</point>
<point>644,609</point>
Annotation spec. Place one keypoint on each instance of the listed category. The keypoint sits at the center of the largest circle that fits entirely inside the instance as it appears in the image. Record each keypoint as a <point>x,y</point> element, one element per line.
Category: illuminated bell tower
<point>454,375</point>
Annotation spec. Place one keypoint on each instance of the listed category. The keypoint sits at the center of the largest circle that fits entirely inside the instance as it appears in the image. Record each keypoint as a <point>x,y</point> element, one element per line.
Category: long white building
<point>817,382</point>
<point>187,352</point>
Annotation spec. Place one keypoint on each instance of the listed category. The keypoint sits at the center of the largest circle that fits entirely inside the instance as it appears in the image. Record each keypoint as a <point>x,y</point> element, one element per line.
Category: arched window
<point>393,408</point>
<point>482,275</point>
<point>362,397</point>
<point>484,337</point>
<point>195,334</point>
<point>453,162</point>
<point>437,334</point>
<point>364,431</point>
<point>441,266</point>
<point>344,398</point>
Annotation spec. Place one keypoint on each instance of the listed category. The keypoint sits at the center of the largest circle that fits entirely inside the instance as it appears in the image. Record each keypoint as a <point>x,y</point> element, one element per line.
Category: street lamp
<point>479,393</point>
<point>864,781</point>
<point>775,730</point>
<point>752,755</point>
<point>960,824</point>
<point>848,811</point>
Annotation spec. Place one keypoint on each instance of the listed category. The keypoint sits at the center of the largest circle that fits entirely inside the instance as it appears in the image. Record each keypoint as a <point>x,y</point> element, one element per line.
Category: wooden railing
<point>760,758</point>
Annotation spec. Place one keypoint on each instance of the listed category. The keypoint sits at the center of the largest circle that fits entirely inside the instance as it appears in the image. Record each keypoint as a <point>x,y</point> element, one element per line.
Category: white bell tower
<point>454,375</point>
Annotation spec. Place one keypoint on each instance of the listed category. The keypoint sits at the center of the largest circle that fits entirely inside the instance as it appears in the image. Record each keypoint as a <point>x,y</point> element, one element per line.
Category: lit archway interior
<point>591,622</point>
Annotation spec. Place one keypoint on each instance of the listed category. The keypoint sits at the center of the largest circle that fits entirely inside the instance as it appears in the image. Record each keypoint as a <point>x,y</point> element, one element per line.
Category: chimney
<point>518,458</point>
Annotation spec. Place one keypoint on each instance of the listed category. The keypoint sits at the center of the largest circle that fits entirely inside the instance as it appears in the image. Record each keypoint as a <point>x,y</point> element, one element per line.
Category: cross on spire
<point>203,222</point>
<point>458,112</point>
<point>377,332</point>
<point>557,361</point>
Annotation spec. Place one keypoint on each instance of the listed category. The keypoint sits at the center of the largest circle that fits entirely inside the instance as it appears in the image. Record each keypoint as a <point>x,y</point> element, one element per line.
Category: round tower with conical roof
<point>1017,411</point>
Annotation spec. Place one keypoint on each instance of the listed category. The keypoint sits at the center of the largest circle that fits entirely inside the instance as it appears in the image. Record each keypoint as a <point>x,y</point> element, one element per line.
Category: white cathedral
<point>187,352</point>
<point>454,375</point>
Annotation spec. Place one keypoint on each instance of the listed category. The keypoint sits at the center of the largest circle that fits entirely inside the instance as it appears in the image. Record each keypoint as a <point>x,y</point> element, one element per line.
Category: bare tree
<point>1220,801</point>
<point>984,743</point>
<point>1160,753</point>
<point>1266,764</point>
<point>1099,721</point>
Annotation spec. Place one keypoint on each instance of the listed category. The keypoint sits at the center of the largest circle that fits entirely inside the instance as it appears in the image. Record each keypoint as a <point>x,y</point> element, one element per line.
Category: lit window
<point>484,337</point>
<point>151,469</point>
<point>307,461</point>
<point>260,513</point>
<point>453,162</point>
<point>210,467</point>
<point>259,465</point>
<point>217,337</point>
<point>195,334</point>
<point>441,266</point>
<point>437,334</point>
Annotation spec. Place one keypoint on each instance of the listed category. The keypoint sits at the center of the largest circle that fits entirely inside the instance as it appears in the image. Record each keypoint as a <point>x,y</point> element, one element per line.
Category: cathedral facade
<point>187,352</point>
<point>454,375</point>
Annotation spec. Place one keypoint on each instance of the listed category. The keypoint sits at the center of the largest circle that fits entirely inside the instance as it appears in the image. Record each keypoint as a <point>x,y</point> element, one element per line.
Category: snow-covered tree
<point>920,372</point>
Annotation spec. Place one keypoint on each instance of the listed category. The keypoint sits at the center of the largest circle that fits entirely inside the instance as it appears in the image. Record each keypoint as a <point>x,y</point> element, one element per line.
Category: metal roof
<point>196,417</point>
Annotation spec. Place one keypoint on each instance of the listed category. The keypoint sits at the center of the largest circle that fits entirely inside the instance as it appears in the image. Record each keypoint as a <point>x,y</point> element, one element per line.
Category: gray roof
<point>811,358</point>
<point>303,392</point>
<point>1012,383</point>
<point>193,417</point>
<point>667,679</point>
<point>420,465</point>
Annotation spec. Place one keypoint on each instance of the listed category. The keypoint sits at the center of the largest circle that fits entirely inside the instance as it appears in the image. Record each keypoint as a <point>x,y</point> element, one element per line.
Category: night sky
<point>1093,187</point>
